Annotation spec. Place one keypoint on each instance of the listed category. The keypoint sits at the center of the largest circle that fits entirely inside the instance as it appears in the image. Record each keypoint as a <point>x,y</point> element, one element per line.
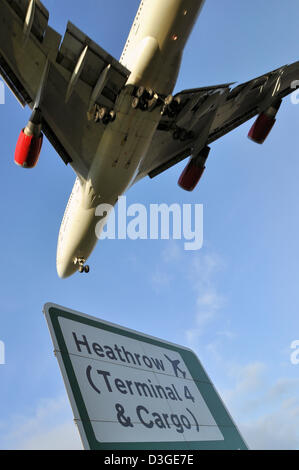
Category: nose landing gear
<point>82,267</point>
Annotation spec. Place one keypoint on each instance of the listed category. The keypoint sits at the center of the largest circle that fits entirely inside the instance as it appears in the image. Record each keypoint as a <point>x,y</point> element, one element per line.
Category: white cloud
<point>266,413</point>
<point>283,387</point>
<point>62,437</point>
<point>208,300</point>
<point>276,430</point>
<point>49,426</point>
<point>248,378</point>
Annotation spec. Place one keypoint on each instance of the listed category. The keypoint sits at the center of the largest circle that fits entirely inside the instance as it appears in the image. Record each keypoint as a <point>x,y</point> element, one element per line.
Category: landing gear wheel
<point>96,117</point>
<point>140,92</point>
<point>140,103</point>
<point>176,103</point>
<point>149,93</point>
<point>172,106</point>
<point>112,115</point>
<point>144,99</point>
<point>135,103</point>
<point>168,100</point>
<point>152,103</point>
<point>102,113</point>
<point>145,93</point>
<point>82,268</point>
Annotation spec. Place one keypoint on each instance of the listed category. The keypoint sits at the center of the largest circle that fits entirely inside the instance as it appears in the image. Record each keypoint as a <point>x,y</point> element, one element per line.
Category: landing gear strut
<point>82,267</point>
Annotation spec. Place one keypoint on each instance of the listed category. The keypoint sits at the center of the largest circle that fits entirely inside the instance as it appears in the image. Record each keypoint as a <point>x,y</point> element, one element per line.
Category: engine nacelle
<point>194,170</point>
<point>264,124</point>
<point>28,150</point>
<point>261,128</point>
<point>29,143</point>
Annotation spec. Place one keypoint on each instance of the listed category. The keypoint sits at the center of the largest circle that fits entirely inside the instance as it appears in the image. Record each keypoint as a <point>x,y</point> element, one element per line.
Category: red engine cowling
<point>30,142</point>
<point>261,128</point>
<point>264,123</point>
<point>194,171</point>
<point>28,150</point>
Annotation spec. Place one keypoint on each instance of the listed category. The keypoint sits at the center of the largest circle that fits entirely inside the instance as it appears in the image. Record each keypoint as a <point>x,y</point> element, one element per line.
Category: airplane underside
<point>114,166</point>
<point>116,122</point>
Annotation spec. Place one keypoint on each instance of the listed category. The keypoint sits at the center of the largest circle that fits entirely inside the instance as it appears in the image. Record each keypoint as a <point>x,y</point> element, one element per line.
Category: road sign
<point>129,390</point>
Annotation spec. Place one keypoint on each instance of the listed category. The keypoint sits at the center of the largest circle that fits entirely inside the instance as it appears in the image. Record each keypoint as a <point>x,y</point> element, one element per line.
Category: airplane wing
<point>204,115</point>
<point>32,53</point>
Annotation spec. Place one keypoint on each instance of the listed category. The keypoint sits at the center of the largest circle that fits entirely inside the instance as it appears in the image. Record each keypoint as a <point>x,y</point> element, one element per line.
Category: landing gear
<point>136,103</point>
<point>146,93</point>
<point>101,114</point>
<point>82,267</point>
<point>172,106</point>
<point>105,116</point>
<point>146,99</point>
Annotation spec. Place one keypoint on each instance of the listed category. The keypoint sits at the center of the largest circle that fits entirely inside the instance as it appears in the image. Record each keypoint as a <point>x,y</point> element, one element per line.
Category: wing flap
<point>97,59</point>
<point>41,15</point>
<point>24,56</point>
<point>21,68</point>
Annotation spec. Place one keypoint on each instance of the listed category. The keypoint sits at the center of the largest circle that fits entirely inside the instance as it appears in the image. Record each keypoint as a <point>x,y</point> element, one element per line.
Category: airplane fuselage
<point>153,54</point>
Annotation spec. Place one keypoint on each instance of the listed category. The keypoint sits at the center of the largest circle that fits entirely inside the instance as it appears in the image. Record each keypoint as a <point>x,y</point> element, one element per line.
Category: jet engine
<point>194,170</point>
<point>30,142</point>
<point>264,123</point>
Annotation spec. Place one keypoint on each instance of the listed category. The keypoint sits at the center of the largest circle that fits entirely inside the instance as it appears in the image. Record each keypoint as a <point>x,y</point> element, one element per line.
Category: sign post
<point>130,391</point>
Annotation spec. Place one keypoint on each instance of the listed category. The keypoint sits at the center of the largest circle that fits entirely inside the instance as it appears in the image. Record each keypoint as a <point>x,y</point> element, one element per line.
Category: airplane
<point>115,122</point>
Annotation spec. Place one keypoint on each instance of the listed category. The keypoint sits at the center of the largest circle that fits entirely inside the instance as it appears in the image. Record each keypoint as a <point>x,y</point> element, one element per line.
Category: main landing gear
<point>101,114</point>
<point>172,106</point>
<point>146,99</point>
<point>82,267</point>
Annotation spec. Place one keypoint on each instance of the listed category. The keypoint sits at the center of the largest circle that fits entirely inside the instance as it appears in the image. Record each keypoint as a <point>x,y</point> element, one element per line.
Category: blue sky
<point>235,302</point>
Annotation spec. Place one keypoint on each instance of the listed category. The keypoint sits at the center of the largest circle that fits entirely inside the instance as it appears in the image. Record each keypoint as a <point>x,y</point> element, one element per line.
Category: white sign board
<point>131,391</point>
